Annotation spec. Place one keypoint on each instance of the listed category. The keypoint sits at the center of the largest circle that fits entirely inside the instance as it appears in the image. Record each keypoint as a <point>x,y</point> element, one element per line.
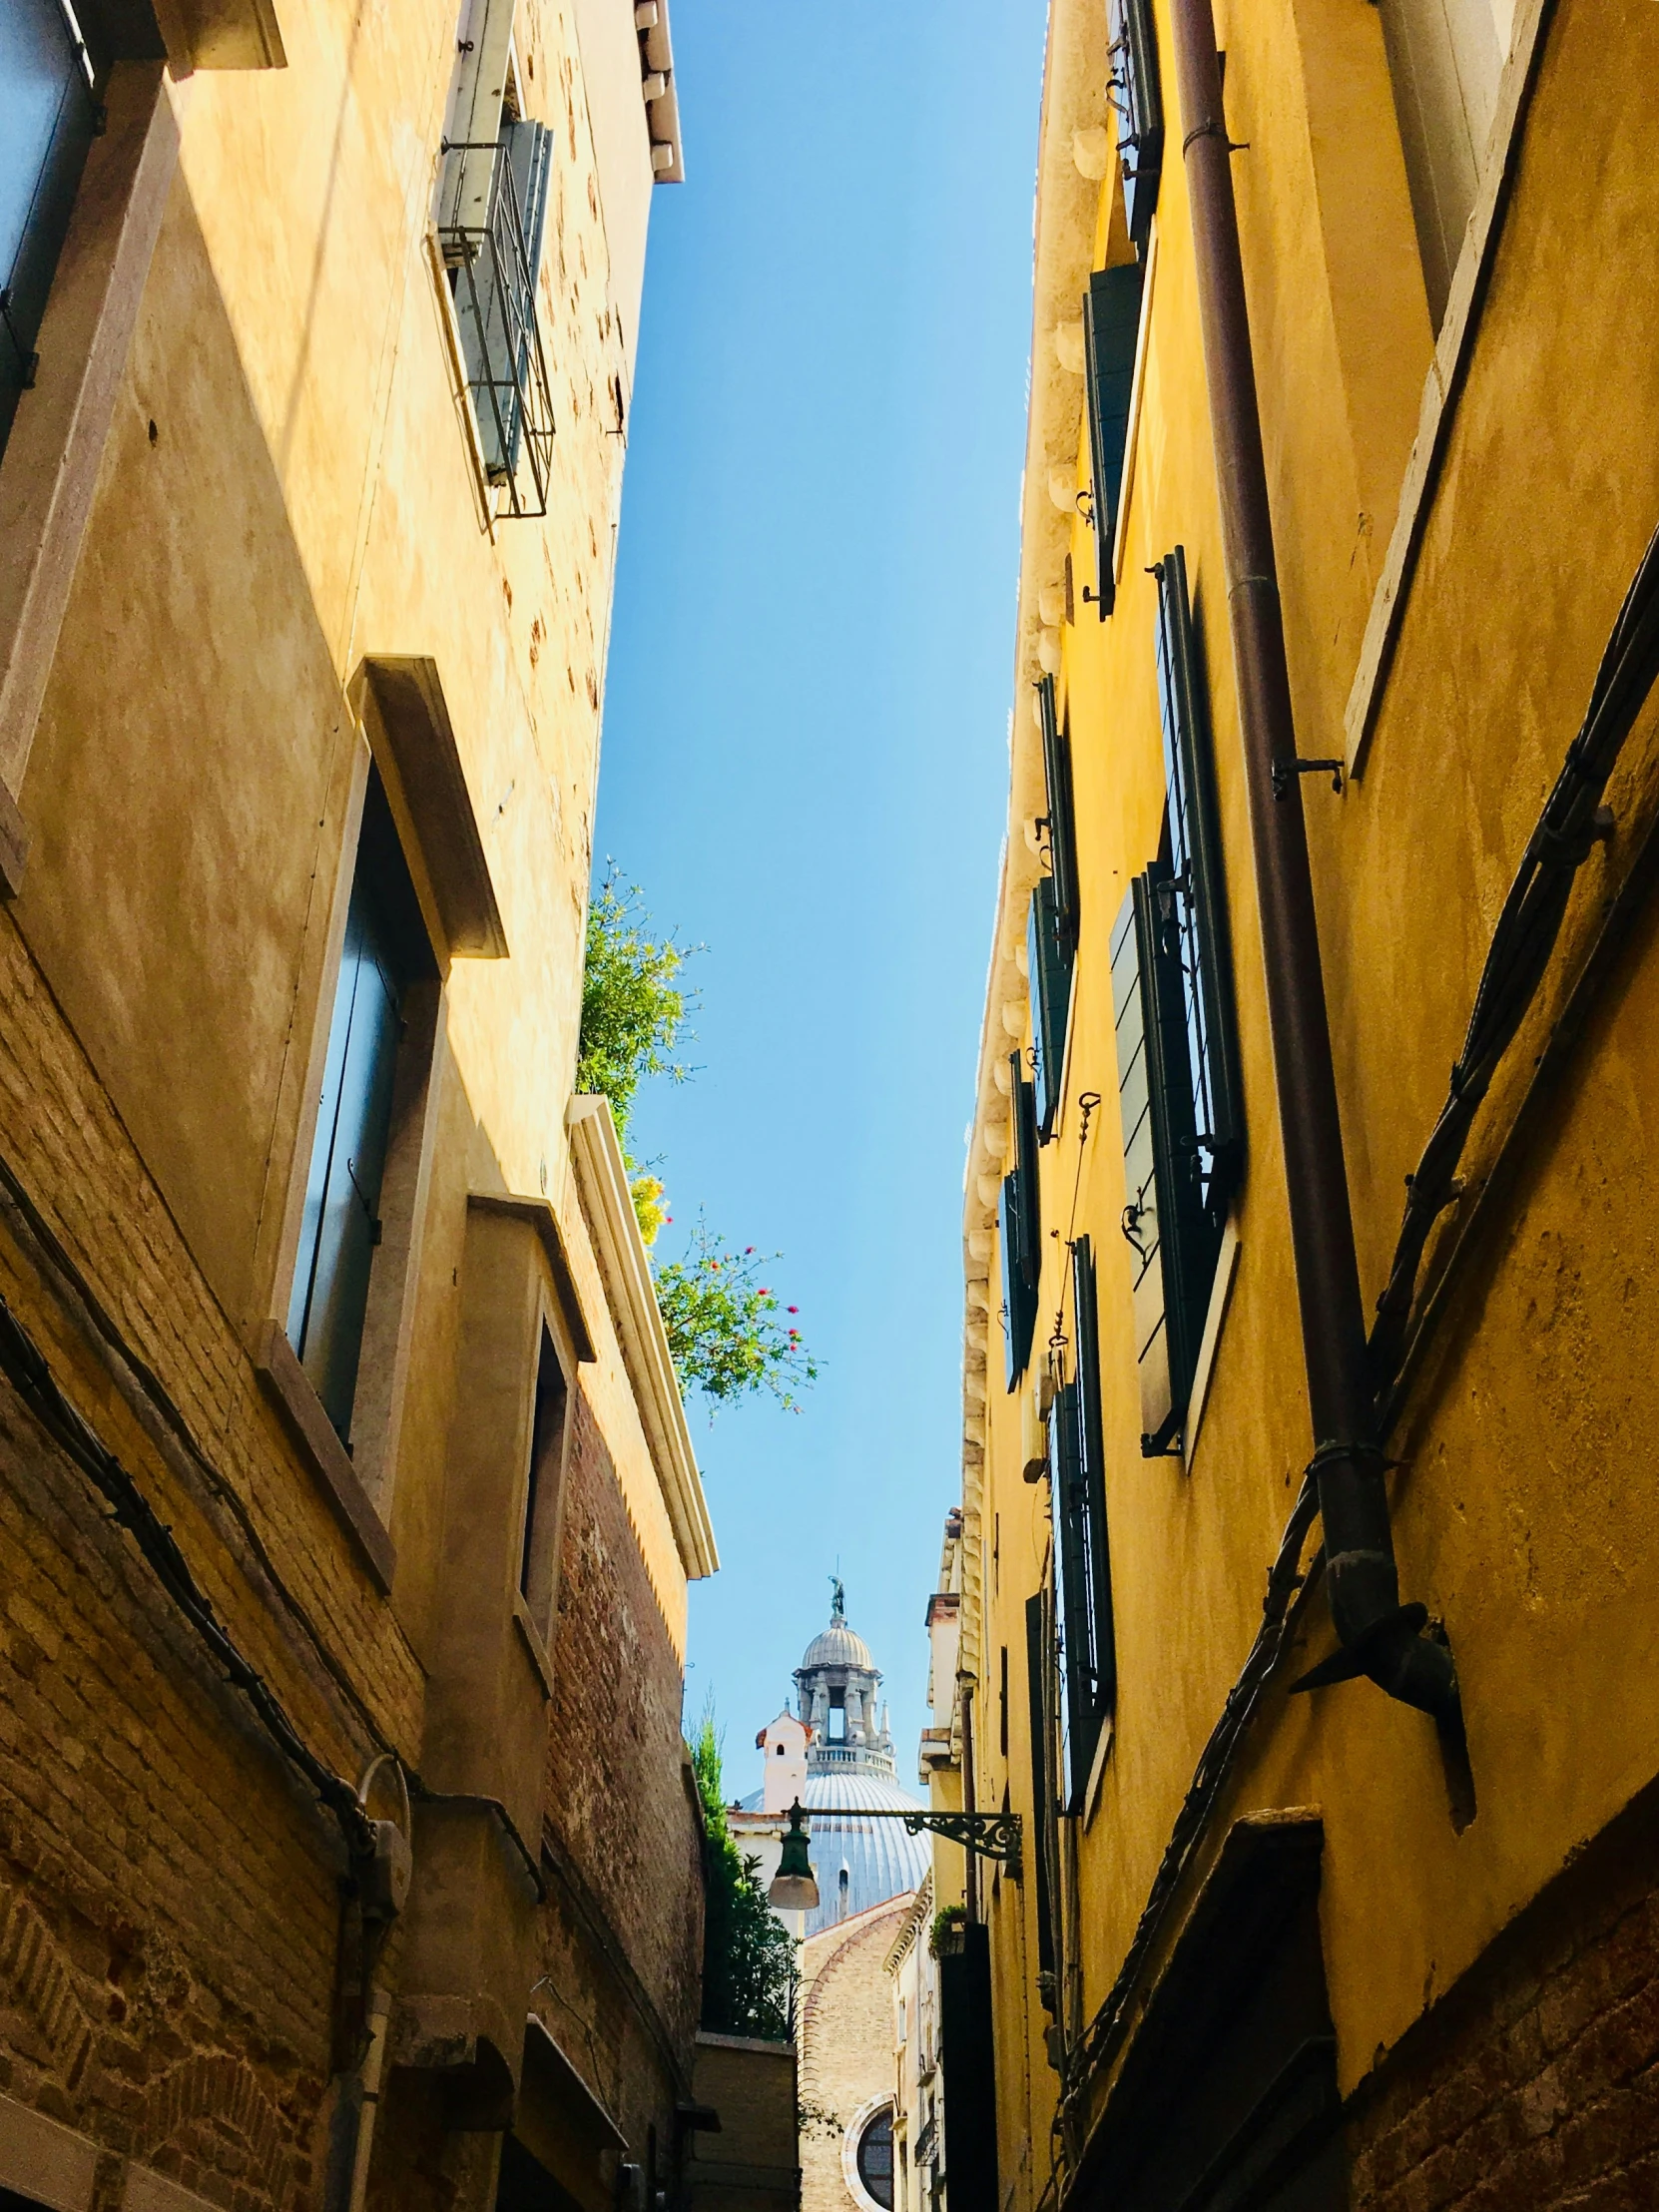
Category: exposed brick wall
<point>846,2042</point>
<point>170,1910</point>
<point>1533,2085</point>
<point>621,1815</point>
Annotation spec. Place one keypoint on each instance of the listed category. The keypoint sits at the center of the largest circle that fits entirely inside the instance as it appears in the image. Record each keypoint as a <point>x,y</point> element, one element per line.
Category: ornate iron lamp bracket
<point>987,1835</point>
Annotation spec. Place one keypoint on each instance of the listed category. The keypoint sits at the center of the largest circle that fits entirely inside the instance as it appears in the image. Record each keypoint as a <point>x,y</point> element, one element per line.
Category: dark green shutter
<point>1060,819</point>
<point>1020,1231</point>
<point>1050,977</point>
<point>1042,1794</point>
<point>1201,911</point>
<point>1019,1307</point>
<point>1071,1529</point>
<point>967,2061</point>
<point>1137,95</point>
<point>1111,326</point>
<point>1092,1432</point>
<point>1163,1220</point>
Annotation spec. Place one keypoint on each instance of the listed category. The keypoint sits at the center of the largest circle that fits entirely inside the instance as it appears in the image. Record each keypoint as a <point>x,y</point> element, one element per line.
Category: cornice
<point>602,1181</point>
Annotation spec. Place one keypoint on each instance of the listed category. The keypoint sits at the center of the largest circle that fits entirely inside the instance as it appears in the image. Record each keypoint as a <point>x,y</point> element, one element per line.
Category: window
<point>1444,60</point>
<point>1137,95</point>
<point>1020,1225</point>
<point>538,1568</point>
<point>875,2157</point>
<point>838,1716</point>
<point>48,118</point>
<point>385,951</point>
<point>1178,1082</point>
<point>1077,1445</point>
<point>1111,328</point>
<point>492,210</point>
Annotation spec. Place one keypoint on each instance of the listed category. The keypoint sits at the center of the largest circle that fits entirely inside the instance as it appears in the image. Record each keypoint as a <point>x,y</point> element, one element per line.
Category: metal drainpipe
<point>1382,1638</point>
<point>380,2010</point>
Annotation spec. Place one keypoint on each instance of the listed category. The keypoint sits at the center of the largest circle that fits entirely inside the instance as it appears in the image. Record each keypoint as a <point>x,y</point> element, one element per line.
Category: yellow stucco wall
<point>285,490</point>
<point>1522,1512</point>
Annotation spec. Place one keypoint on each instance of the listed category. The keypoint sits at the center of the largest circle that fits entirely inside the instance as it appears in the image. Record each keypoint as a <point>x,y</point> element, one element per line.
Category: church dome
<point>838,1646</point>
<point>880,1858</point>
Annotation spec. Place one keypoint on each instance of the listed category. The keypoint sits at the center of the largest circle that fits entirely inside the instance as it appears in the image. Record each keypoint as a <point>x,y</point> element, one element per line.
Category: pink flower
<point>793,1308</point>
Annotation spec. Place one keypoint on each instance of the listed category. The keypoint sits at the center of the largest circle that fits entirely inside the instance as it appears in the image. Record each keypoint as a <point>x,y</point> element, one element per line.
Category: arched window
<point>875,2157</point>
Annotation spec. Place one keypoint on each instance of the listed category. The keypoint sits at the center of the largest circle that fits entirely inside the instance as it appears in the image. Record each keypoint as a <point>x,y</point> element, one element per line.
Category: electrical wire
<point>1524,939</point>
<point>26,1369</point>
<point>1288,1591</point>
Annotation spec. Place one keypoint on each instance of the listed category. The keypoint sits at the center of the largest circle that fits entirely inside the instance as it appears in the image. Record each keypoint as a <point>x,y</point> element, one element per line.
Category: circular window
<point>875,2157</point>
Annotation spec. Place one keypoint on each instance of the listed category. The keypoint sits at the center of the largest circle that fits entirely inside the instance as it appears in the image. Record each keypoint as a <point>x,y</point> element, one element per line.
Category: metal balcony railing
<point>493,266</point>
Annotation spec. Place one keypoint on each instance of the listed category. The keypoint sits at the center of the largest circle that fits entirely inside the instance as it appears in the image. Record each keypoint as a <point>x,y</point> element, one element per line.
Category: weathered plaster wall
<point>1522,1514</point>
<point>288,489</point>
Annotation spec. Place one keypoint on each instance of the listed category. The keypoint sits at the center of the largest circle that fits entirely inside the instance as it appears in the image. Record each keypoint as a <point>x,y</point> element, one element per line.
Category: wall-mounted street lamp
<point>985,1835</point>
<point>793,1888</point>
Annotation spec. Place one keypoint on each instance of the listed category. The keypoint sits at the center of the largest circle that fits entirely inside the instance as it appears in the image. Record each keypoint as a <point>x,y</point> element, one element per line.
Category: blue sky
<point>806,754</point>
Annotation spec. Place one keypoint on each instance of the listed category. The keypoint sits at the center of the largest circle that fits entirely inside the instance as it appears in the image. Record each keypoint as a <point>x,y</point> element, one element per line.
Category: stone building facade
<point>347,1849</point>
<point>846,2065</point>
<point>1305,1604</point>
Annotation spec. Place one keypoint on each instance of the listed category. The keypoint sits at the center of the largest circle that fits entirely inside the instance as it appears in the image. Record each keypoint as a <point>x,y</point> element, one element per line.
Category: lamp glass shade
<point>793,1888</point>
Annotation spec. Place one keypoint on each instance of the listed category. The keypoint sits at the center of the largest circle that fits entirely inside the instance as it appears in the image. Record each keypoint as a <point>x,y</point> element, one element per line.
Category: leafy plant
<point>749,1963</point>
<point>723,1324</point>
<point>634,1007</point>
<point>946,1932</point>
<point>725,1331</point>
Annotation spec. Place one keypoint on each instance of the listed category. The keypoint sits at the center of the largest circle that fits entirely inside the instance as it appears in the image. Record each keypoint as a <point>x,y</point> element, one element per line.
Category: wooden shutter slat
<point>1050,979</point>
<point>1066,1462</point>
<point>1036,1680</point>
<point>1140,108</point>
<point>1194,832</point>
<point>1062,820</point>
<point>1111,329</point>
<point>1092,1429</point>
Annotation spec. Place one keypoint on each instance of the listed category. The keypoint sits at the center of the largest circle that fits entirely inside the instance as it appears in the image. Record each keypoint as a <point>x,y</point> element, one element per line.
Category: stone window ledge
<point>290,1390</point>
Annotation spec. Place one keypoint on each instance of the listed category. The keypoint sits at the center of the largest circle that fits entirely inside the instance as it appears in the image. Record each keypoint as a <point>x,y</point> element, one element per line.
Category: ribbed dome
<point>838,1646</point>
<point>882,1860</point>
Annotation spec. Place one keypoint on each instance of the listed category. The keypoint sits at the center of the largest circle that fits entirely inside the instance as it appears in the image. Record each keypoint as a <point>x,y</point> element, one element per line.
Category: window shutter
<point>1199,912</point>
<point>1020,1232</point>
<point>1163,1220</point>
<point>1070,1523</point>
<point>1137,94</point>
<point>1092,1434</point>
<point>1042,1794</point>
<point>1061,818</point>
<point>1111,327</point>
<point>1051,976</point>
<point>474,127</point>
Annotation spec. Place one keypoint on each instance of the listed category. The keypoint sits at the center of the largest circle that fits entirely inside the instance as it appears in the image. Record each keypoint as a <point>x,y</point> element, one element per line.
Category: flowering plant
<point>725,1328</point>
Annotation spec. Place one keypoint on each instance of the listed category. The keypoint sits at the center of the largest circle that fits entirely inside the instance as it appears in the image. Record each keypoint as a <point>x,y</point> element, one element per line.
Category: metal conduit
<point>1380,1637</point>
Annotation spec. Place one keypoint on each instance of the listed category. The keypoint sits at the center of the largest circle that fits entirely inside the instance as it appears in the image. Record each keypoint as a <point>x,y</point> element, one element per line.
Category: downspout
<point>1380,1637</point>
